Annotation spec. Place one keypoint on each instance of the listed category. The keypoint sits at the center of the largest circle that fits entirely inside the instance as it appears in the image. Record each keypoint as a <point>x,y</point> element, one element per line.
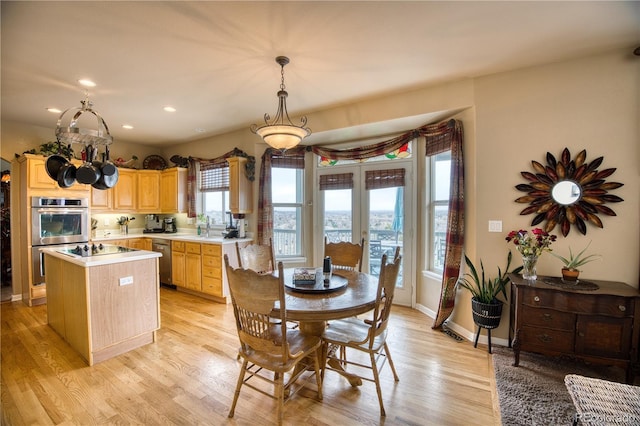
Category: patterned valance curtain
<point>213,176</point>
<point>364,152</point>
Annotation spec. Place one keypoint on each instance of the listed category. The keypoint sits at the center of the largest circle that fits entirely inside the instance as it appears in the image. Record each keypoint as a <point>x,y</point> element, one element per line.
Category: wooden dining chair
<point>344,255</point>
<point>366,334</point>
<point>266,346</point>
<point>258,258</point>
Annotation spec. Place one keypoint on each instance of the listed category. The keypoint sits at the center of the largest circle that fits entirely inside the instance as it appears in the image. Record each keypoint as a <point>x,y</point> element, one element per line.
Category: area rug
<point>534,392</point>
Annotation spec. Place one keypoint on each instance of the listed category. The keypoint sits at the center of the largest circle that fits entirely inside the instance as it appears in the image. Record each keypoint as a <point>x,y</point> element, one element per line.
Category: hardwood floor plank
<point>189,374</point>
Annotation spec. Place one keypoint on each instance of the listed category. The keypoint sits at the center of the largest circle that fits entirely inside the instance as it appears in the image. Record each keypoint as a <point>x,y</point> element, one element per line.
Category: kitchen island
<point>103,305</point>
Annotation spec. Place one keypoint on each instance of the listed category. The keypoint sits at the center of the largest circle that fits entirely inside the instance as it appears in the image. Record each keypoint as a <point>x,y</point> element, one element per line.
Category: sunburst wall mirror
<point>568,192</point>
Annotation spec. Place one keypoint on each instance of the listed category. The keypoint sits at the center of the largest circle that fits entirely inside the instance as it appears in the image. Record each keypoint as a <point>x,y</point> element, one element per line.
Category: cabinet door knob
<point>622,308</point>
<point>536,298</point>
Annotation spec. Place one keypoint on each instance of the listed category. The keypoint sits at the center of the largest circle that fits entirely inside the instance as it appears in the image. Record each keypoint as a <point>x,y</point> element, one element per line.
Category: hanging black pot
<point>88,173</point>
<point>109,173</point>
<point>54,163</point>
<point>486,315</point>
<point>66,175</point>
<point>108,168</point>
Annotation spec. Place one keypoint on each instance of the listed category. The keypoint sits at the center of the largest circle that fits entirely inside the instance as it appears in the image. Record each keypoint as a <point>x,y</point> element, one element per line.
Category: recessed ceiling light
<point>199,130</point>
<point>127,126</point>
<point>169,109</point>
<point>87,83</point>
<point>54,110</point>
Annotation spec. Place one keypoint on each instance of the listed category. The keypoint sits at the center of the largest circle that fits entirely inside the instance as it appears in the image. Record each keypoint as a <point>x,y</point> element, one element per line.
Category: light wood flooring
<point>188,377</point>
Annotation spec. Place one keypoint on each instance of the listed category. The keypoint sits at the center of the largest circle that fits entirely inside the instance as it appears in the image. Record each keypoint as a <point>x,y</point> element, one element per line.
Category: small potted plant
<point>570,271</point>
<point>485,305</point>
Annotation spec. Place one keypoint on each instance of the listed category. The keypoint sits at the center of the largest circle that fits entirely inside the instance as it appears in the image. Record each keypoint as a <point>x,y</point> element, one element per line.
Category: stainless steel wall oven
<point>56,221</point>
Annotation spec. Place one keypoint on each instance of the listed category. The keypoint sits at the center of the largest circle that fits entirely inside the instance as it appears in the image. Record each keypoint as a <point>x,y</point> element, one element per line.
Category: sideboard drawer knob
<point>622,308</point>
<point>536,299</point>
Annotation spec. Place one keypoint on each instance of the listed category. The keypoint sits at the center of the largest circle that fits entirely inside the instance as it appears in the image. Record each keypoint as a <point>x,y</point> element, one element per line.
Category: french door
<point>382,216</point>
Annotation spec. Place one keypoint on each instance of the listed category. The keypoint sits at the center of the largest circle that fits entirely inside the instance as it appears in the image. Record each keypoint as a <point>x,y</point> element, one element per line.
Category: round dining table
<point>312,310</point>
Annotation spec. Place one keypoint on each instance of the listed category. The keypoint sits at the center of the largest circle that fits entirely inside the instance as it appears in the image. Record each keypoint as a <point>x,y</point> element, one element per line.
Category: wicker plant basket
<point>486,315</point>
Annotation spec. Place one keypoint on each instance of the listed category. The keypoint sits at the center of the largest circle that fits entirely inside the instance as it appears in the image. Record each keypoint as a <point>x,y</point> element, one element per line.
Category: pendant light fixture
<point>68,130</point>
<point>281,133</point>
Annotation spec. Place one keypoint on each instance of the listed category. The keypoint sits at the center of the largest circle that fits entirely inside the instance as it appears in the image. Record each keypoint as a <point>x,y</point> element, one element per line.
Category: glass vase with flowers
<point>531,244</point>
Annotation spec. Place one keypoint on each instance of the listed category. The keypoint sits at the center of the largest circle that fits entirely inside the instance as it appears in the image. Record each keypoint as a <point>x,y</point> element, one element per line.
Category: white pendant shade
<point>281,133</point>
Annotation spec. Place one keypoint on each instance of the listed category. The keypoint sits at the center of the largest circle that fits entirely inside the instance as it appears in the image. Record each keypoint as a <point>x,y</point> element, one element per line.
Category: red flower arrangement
<point>531,243</point>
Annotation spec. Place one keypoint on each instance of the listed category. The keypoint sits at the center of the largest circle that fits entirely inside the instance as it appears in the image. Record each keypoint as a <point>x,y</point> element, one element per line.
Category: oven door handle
<point>61,211</point>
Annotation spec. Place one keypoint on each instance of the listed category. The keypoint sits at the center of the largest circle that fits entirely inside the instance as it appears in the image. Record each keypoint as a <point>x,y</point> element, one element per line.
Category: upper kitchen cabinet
<point>101,200</point>
<point>240,187</point>
<point>144,191</point>
<point>148,198</point>
<point>37,177</point>
<point>173,190</point>
<point>125,191</point>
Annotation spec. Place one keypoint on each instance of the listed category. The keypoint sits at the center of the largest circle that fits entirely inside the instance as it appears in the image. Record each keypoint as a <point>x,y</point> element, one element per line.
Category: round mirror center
<point>566,192</point>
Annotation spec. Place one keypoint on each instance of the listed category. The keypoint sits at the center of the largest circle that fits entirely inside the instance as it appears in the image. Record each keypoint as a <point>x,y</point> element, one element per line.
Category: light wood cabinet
<point>144,191</point>
<point>186,267</point>
<point>101,200</point>
<point>199,267</point>
<point>173,190</point>
<point>97,315</point>
<point>193,267</point>
<point>212,270</point>
<point>595,325</point>
<point>240,187</point>
<point>178,263</point>
<point>139,243</point>
<point>125,191</point>
<point>148,191</point>
<point>38,178</point>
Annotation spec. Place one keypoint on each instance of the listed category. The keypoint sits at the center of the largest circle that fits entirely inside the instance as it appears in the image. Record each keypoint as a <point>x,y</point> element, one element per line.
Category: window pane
<point>286,231</point>
<point>439,209</point>
<point>442,175</point>
<point>285,184</point>
<point>214,205</point>
<point>287,196</point>
<point>338,217</point>
<point>439,236</point>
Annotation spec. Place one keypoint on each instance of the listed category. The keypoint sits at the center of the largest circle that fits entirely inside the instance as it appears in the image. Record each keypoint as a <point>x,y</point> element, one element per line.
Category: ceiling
<point>215,61</point>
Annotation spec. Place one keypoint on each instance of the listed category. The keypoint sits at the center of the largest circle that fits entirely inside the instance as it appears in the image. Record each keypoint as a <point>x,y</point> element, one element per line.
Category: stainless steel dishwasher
<point>164,247</point>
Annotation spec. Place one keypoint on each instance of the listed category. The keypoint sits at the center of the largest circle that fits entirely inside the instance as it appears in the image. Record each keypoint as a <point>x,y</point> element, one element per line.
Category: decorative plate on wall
<point>154,162</point>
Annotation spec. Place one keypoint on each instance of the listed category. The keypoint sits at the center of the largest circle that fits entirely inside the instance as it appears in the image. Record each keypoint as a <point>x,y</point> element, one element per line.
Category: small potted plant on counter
<point>570,271</point>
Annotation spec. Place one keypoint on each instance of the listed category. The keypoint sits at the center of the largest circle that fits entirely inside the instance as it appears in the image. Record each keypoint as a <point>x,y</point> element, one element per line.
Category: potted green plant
<point>570,271</point>
<point>485,305</point>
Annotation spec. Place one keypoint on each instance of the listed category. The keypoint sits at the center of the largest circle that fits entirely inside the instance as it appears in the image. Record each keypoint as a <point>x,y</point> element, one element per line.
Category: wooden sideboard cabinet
<point>598,325</point>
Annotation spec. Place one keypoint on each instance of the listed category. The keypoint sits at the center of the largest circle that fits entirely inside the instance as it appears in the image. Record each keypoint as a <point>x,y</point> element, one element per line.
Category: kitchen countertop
<point>106,259</point>
<point>177,236</point>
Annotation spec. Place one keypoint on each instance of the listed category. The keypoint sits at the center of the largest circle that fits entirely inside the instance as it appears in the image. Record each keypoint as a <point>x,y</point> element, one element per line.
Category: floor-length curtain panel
<point>273,157</point>
<point>440,138</point>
